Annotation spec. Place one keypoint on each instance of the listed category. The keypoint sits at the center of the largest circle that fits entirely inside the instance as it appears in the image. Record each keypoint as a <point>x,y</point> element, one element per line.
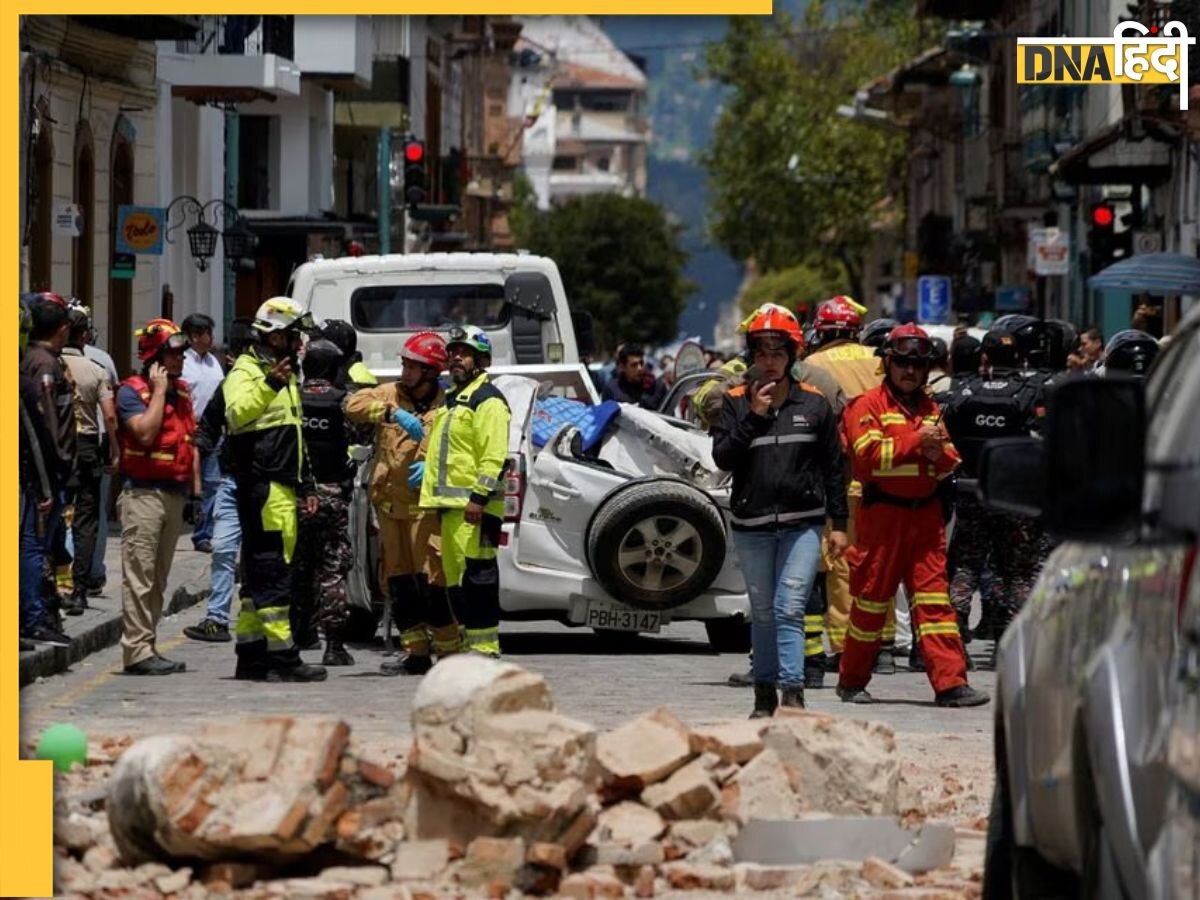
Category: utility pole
<point>232,154</point>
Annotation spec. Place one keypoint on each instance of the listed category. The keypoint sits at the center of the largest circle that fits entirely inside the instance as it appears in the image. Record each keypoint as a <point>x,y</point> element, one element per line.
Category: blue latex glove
<point>416,473</point>
<point>410,423</point>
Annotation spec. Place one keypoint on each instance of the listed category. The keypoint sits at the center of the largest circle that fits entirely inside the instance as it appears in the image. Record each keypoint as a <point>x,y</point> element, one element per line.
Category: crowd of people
<point>853,448</point>
<point>263,464</point>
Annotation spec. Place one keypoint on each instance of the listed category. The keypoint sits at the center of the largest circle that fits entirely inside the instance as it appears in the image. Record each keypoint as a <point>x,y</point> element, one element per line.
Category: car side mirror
<point>1087,475</point>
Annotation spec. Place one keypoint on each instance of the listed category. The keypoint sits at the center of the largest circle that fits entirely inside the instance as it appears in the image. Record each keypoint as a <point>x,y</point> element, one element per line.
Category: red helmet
<point>771,320</point>
<point>156,336</point>
<point>427,348</point>
<point>910,341</point>
<point>838,314</point>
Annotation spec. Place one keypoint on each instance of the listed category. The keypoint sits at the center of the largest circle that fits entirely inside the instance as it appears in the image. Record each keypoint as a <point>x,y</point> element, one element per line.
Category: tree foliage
<point>620,261</point>
<point>792,180</point>
<point>790,287</point>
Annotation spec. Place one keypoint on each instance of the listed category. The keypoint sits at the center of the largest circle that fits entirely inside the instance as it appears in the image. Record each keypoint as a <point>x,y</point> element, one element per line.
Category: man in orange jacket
<point>900,452</point>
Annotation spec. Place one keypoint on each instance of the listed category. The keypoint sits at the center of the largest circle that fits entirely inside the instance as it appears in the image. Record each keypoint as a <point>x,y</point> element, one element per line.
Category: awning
<point>1154,273</point>
<point>1113,156</point>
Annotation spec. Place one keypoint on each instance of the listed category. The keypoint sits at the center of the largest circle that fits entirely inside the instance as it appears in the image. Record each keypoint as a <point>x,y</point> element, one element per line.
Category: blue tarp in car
<point>550,414</point>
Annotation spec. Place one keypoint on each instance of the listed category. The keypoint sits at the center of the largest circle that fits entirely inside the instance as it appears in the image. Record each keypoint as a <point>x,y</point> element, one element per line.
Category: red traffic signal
<point>414,152</point>
<point>1103,215</point>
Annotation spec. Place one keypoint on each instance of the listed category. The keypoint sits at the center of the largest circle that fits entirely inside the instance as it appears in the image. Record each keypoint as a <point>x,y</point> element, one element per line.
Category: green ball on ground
<point>65,745</point>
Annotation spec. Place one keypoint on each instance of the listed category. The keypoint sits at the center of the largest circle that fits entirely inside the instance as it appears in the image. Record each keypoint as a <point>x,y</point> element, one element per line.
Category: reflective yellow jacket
<point>468,448</point>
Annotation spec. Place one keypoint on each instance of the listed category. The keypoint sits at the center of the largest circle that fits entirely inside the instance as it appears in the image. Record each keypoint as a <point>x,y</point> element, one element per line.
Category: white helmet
<point>281,313</point>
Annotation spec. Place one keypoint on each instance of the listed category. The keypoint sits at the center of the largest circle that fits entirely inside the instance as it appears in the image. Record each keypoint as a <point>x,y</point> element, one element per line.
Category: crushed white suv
<point>624,536</point>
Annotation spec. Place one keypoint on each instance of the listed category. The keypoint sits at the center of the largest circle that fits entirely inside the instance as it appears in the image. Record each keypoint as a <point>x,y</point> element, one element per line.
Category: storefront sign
<point>140,230</point>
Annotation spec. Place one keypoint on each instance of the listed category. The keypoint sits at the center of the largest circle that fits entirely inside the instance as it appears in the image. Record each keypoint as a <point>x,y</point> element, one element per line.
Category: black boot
<point>406,664</point>
<point>885,663</point>
<point>916,662</point>
<point>77,603</point>
<point>741,679</point>
<point>814,672</point>
<point>288,666</point>
<point>792,697</point>
<point>765,701</point>
<point>336,653</point>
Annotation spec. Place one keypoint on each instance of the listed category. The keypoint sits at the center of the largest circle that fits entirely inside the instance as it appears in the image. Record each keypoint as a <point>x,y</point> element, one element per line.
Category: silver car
<point>1098,716</point>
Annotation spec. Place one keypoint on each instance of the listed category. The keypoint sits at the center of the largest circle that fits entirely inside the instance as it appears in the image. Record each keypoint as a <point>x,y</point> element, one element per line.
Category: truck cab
<point>518,299</point>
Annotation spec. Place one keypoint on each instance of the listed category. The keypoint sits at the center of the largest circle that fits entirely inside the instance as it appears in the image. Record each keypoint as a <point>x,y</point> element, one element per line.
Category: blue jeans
<point>226,540</point>
<point>780,568</point>
<point>33,558</point>
<point>210,478</point>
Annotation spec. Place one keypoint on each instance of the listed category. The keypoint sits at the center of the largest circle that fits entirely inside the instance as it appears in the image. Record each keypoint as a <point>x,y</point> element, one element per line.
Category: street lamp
<point>202,239</point>
<point>966,80</point>
<point>239,241</point>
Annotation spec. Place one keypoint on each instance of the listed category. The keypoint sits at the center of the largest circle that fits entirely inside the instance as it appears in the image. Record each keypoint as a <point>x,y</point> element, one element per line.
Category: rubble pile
<point>501,796</point>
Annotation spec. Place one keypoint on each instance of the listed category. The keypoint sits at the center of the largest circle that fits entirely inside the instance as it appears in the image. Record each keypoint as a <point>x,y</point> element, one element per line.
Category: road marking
<point>76,694</point>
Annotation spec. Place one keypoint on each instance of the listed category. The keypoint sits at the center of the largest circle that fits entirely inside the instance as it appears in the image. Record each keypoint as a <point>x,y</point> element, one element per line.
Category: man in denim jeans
<point>226,529</point>
<point>780,440</point>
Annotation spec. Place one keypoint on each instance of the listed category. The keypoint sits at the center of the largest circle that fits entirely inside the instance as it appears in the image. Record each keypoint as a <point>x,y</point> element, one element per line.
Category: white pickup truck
<point>626,536</point>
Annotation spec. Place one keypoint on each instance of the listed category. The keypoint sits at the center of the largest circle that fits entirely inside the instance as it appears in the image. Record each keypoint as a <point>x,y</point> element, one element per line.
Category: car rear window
<point>413,307</point>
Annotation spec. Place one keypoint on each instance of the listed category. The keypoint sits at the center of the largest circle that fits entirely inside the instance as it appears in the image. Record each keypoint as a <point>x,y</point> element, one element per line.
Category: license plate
<point>621,618</point>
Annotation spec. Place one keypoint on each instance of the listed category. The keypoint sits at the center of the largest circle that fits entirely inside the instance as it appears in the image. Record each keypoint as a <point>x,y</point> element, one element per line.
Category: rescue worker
<point>876,332</point>
<point>1130,351</point>
<point>161,470</point>
<point>1003,400</point>
<point>324,556</point>
<point>900,453</point>
<point>856,368</point>
<point>265,432</point>
<point>468,450</point>
<point>96,437</point>
<point>402,415</point>
<point>776,425</point>
<point>353,373</point>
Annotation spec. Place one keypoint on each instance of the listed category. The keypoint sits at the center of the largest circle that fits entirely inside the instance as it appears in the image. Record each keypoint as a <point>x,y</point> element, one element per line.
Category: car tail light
<point>514,488</point>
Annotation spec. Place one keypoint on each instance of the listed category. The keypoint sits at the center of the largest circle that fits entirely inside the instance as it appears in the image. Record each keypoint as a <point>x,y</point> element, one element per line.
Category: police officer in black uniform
<point>874,333</point>
<point>1004,399</point>
<point>324,556</point>
<point>1130,351</point>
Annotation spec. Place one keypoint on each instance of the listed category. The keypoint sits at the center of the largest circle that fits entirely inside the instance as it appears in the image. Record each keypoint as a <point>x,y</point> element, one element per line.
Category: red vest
<point>169,458</point>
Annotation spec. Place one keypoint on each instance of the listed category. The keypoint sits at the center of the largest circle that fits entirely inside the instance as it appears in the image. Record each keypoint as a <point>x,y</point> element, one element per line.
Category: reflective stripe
<point>771,439</point>
<point>930,599</point>
<point>930,420</point>
<point>447,639</point>
<point>440,487</point>
<point>932,628</point>
<point>375,410</point>
<point>274,614</point>
<point>875,607</point>
<point>484,640</point>
<point>814,622</point>
<point>868,438</point>
<point>819,512</point>
<point>887,451</point>
<point>889,418</point>
<point>908,470</point>
<point>865,636</point>
<point>813,646</point>
<point>415,641</point>
<point>486,481</point>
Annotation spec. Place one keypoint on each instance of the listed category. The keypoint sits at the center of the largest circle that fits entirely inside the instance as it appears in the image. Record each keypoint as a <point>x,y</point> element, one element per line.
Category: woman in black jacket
<point>780,440</point>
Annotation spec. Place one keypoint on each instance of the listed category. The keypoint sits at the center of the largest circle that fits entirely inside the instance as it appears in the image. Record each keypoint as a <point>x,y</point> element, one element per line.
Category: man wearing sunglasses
<point>900,453</point>
<point>265,429</point>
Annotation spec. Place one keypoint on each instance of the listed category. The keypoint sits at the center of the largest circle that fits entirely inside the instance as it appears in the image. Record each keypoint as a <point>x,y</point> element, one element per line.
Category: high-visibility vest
<point>468,449</point>
<point>265,426</point>
<point>170,457</point>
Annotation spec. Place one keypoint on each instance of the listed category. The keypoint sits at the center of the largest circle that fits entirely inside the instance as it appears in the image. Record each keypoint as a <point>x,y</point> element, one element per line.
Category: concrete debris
<point>490,757</point>
<point>501,796</point>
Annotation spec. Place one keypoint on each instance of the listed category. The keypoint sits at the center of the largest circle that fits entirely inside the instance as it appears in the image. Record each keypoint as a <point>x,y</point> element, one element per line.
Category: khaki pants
<point>411,547</point>
<point>151,522</point>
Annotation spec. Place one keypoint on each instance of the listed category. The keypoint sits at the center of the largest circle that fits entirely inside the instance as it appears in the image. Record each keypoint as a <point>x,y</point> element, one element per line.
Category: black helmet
<point>1061,338</point>
<point>941,353</point>
<point>322,359</point>
<point>341,333</point>
<point>1130,351</point>
<point>964,354</point>
<point>874,333</point>
<point>1015,339</point>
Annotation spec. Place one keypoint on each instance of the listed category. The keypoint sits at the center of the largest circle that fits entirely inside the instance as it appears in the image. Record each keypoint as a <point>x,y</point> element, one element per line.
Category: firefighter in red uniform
<point>900,452</point>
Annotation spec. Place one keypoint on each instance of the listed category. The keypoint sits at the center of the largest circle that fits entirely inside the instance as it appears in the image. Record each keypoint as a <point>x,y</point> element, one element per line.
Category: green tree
<point>790,178</point>
<point>523,210</point>
<point>806,283</point>
<point>620,261</point>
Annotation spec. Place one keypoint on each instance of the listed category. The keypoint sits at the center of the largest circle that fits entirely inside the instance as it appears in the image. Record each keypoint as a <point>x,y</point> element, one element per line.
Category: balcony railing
<point>243,36</point>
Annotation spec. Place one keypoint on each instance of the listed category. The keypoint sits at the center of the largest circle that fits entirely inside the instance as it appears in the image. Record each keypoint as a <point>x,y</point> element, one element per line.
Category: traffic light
<point>1107,245</point>
<point>416,190</point>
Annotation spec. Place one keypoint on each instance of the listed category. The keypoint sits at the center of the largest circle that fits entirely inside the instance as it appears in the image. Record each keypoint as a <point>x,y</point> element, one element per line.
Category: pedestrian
<point>97,451</point>
<point>1003,400</point>
<point>161,469</point>
<point>1089,352</point>
<point>629,383</point>
<point>402,414</point>
<point>900,453</point>
<point>46,454</point>
<point>353,373</point>
<point>464,466</point>
<point>855,367</point>
<point>324,556</point>
<point>780,440</point>
<point>203,373</point>
<point>226,527</point>
<point>264,428</point>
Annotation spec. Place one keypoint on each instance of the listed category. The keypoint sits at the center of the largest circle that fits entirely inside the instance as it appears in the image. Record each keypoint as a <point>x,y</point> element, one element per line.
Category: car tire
<point>656,544</point>
<point>730,635</point>
<point>1010,871</point>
